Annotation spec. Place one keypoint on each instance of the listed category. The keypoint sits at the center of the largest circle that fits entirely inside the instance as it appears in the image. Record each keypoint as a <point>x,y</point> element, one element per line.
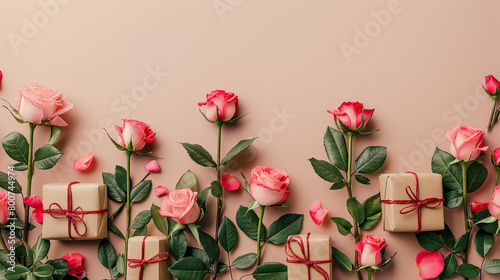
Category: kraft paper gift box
<point>402,201</point>
<point>153,252</point>
<point>319,252</point>
<point>88,203</point>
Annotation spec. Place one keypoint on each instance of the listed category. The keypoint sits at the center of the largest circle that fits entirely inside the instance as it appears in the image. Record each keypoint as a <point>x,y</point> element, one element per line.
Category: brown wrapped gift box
<point>320,249</point>
<point>88,196</point>
<point>152,246</point>
<point>394,187</point>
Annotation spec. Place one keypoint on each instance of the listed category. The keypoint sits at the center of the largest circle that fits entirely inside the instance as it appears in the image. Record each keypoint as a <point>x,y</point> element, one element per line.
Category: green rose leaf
<point>106,253</point>
<point>55,132</point>
<point>429,240</point>
<point>341,259</point>
<point>492,266</point>
<point>43,270</point>
<point>447,236</point>
<point>452,175</point>
<point>338,186</point>
<point>270,271</point>
<point>20,166</point>
<point>209,245</point>
<point>187,181</point>
<point>343,225</point>
<point>141,220</point>
<point>60,269</point>
<point>140,191</point>
<point>476,174</point>
<point>450,265</point>
<point>467,270</point>
<point>16,147</point>
<point>284,226</point>
<point>248,222</point>
<point>199,155</point>
<point>461,243</point>
<point>190,268</point>
<point>242,145</point>
<point>141,231</point>
<point>121,177</point>
<point>178,245</point>
<point>370,159</point>
<point>488,227</point>
<point>335,148</point>
<point>9,185</point>
<point>356,210</point>
<point>244,261</point>
<point>114,229</point>
<point>362,179</point>
<point>453,199</point>
<point>228,234</point>
<point>161,222</point>
<point>40,249</point>
<point>200,254</point>
<point>19,272</point>
<point>115,193</point>
<point>46,157</point>
<point>373,212</point>
<point>483,242</point>
<point>326,171</point>
<point>216,188</point>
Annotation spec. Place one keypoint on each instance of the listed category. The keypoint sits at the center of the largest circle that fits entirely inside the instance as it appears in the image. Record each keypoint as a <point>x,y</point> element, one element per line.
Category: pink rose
<point>318,214</point>
<point>429,264</point>
<point>181,206</point>
<point>269,185</point>
<point>226,102</point>
<point>352,114</point>
<point>496,156</point>
<point>4,208</point>
<point>466,142</point>
<point>369,250</point>
<point>152,166</point>
<point>491,84</point>
<point>36,103</point>
<point>494,206</point>
<point>75,262</point>
<point>135,132</point>
<point>478,206</point>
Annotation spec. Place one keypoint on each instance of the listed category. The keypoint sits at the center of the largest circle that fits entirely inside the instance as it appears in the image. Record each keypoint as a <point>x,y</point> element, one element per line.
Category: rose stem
<point>219,199</point>
<point>127,234</point>
<point>490,123</point>
<point>466,205</point>
<point>259,229</point>
<point>3,242</point>
<point>28,183</point>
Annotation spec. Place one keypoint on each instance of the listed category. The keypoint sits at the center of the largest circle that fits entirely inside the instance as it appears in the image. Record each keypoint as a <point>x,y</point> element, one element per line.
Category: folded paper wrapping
<point>319,250</point>
<point>88,196</point>
<point>394,187</point>
<point>153,245</point>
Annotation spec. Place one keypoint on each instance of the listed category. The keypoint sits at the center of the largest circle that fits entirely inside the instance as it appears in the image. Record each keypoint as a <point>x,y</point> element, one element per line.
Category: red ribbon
<point>305,256</point>
<point>139,263</point>
<point>415,202</point>
<point>74,216</point>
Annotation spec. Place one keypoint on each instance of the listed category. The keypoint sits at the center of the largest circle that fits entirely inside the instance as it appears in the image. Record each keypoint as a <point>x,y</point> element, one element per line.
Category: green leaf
<point>16,147</point>
<point>487,220</point>
<point>200,254</point>
<point>483,242</point>
<point>115,193</point>
<point>461,243</point>
<point>452,175</point>
<point>492,266</point>
<point>114,229</point>
<point>335,148</point>
<point>209,245</point>
<point>228,234</point>
<point>371,221</point>
<point>429,240</point>
<point>447,236</point>
<point>248,222</point>
<point>202,197</point>
<point>242,145</point>
<point>194,230</point>
<point>43,270</point>
<point>60,269</point>
<point>370,159</point>
<point>270,271</point>
<point>356,210</point>
<point>143,231</point>
<point>189,268</point>
<point>199,155</point>
<point>341,259</point>
<point>476,174</point>
<point>244,261</point>
<point>161,222</point>
<point>40,249</point>
<point>326,170</point>
<point>343,225</point>
<point>467,270</point>
<point>338,186</point>
<point>19,272</point>
<point>453,199</point>
<point>121,264</point>
<point>187,181</point>
<point>173,226</point>
<point>46,157</point>
<point>450,265</point>
<point>106,253</point>
<point>20,166</point>
<point>253,205</point>
<point>121,177</point>
<point>140,191</point>
<point>284,226</point>
<point>55,132</point>
<point>141,220</point>
<point>118,146</point>
<point>372,205</point>
<point>29,254</point>
<point>178,245</point>
<point>11,185</point>
<point>481,215</point>
<point>216,188</point>
<point>362,179</point>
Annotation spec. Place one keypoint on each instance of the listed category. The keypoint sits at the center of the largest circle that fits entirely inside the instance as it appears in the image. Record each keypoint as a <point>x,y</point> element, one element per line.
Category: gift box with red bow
<point>147,258</point>
<point>309,257</point>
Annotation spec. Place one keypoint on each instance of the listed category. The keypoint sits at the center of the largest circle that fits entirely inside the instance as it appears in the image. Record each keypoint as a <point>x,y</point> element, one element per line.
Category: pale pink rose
<point>226,102</point>
<point>229,182</point>
<point>33,201</point>
<point>496,156</point>
<point>75,262</point>
<point>83,161</point>
<point>161,191</point>
<point>37,102</point>
<point>268,186</point>
<point>181,206</point>
<point>136,132</point>
<point>429,264</point>
<point>317,213</point>
<point>369,249</point>
<point>152,166</point>
<point>476,206</point>
<point>494,206</point>
<point>491,84</point>
<point>4,208</point>
<point>466,142</point>
<point>38,215</point>
<point>352,114</point>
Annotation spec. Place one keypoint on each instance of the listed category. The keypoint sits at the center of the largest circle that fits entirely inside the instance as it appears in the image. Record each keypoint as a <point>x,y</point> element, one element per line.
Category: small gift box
<point>412,202</point>
<point>148,258</point>
<point>309,256</point>
<point>76,211</point>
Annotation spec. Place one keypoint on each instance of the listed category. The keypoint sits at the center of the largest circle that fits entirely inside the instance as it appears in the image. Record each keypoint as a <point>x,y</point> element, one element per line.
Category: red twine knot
<point>139,263</point>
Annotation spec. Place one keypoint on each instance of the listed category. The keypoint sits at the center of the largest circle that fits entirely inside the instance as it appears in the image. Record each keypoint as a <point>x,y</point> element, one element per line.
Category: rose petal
<point>229,182</point>
<point>34,201</point>
<point>160,191</point>
<point>38,215</point>
<point>476,206</point>
<point>429,264</point>
<point>317,214</point>
<point>152,166</point>
<point>83,161</point>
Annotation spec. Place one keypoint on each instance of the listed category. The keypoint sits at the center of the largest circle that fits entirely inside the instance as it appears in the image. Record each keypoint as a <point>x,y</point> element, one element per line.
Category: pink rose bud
<point>83,161</point>
<point>352,115</point>
<point>317,214</point>
<point>4,208</point>
<point>429,264</point>
<point>152,166</point>
<point>226,103</point>
<point>33,201</point>
<point>229,182</point>
<point>478,206</point>
<point>369,249</point>
<point>466,142</point>
<point>496,156</point>
<point>181,206</point>
<point>161,191</point>
<point>268,186</point>
<point>38,215</point>
<point>491,84</point>
<point>37,103</point>
<point>134,135</point>
<point>494,206</point>
<point>75,263</point>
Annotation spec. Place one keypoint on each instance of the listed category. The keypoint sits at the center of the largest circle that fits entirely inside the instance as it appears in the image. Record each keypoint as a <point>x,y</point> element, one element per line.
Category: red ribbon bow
<point>415,202</point>
<point>139,263</point>
<point>304,257</point>
<point>74,216</point>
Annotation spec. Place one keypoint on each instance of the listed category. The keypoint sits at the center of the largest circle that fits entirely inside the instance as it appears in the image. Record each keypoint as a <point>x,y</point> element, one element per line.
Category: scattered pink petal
<point>1,75</point>
<point>229,182</point>
<point>152,166</point>
<point>317,214</point>
<point>161,190</point>
<point>38,215</point>
<point>83,162</point>
<point>33,201</point>
<point>430,264</point>
<point>476,206</point>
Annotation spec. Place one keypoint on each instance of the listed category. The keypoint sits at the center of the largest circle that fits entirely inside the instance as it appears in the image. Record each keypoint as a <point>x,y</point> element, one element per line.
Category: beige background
<point>421,69</point>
